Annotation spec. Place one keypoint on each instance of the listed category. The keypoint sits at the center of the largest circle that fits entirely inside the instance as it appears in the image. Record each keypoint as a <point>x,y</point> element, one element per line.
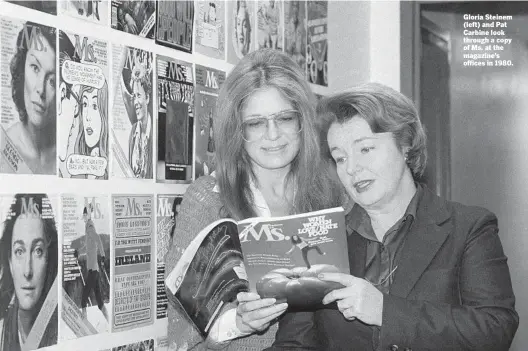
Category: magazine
<point>240,29</point>
<point>95,11</point>
<point>174,26</point>
<point>27,227</point>
<point>46,6</point>
<point>83,107</point>
<point>270,24</point>
<point>137,17</point>
<point>317,48</point>
<point>27,132</point>
<point>85,265</point>
<point>175,120</point>
<point>275,257</point>
<point>295,31</point>
<point>210,28</point>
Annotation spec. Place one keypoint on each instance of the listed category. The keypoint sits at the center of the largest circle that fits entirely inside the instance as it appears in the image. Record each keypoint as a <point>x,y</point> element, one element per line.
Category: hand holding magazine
<point>276,257</point>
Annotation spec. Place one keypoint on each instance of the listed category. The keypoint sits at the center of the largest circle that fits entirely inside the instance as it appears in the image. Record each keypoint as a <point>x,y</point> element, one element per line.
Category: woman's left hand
<point>358,299</point>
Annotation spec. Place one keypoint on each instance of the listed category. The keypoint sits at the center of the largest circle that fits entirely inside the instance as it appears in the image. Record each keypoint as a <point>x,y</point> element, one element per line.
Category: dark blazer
<point>148,150</point>
<point>451,291</point>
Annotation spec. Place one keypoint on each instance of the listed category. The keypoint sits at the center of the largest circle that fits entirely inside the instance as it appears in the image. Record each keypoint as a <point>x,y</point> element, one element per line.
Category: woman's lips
<point>89,131</point>
<point>363,185</point>
<point>274,148</point>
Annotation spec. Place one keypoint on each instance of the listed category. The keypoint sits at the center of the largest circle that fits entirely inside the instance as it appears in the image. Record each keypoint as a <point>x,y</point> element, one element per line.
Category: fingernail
<point>320,276</point>
<point>283,305</point>
<point>273,300</point>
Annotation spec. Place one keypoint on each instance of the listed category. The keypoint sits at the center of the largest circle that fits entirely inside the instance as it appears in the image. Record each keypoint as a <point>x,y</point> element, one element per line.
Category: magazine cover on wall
<point>210,25</point>
<point>83,107</point>
<point>133,271</point>
<point>28,112</point>
<point>270,24</point>
<point>85,266</point>
<point>134,17</point>
<point>175,120</point>
<point>95,11</point>
<point>132,126</point>
<point>48,6</point>
<point>295,31</point>
<point>174,26</point>
<point>317,48</point>
<point>28,302</point>
<point>167,210</point>
<point>240,29</point>
<point>208,83</point>
<point>145,345</point>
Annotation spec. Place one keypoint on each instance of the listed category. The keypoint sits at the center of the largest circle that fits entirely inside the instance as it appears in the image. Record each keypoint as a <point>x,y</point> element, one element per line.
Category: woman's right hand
<point>256,314</point>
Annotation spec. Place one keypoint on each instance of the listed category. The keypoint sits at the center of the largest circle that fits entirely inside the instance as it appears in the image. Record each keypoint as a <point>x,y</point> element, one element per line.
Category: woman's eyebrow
<point>36,59</point>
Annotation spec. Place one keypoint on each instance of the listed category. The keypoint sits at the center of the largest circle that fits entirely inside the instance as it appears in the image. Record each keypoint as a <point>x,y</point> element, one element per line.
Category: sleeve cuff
<point>225,328</point>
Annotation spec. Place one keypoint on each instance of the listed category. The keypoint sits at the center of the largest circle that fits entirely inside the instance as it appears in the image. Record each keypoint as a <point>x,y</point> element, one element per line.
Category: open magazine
<point>275,257</point>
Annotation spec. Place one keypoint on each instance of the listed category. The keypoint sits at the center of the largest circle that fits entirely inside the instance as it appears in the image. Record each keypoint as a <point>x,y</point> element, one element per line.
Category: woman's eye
<point>365,150</point>
<point>19,252</point>
<point>85,104</point>
<point>94,106</point>
<point>34,68</point>
<point>52,83</point>
<point>339,160</point>
<point>39,252</point>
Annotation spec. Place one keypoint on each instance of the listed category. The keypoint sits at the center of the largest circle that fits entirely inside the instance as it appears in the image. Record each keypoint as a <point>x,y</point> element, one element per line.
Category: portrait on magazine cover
<point>133,107</point>
<point>28,270</point>
<point>270,24</point>
<point>134,17</point>
<point>83,107</point>
<point>28,98</point>
<point>240,29</point>
<point>86,266</point>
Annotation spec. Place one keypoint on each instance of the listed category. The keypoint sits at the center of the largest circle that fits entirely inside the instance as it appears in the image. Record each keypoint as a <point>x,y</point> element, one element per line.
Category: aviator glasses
<point>256,126</point>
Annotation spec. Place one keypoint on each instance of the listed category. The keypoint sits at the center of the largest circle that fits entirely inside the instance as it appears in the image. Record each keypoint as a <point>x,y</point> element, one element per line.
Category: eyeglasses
<point>288,122</point>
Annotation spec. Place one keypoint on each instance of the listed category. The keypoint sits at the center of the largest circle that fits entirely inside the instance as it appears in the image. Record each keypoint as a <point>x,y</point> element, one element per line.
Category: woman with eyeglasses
<point>426,273</point>
<point>268,163</point>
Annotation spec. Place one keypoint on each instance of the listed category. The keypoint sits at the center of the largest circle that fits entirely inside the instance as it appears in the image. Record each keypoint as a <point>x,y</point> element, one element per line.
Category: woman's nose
<point>28,267</point>
<point>272,132</point>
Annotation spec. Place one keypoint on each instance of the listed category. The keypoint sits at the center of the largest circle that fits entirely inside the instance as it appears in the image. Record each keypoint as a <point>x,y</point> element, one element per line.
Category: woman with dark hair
<point>268,164</point>
<point>29,259</point>
<point>33,91</point>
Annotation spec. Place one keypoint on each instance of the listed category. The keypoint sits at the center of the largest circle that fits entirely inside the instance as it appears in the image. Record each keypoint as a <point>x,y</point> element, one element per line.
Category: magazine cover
<point>276,257</point>
<point>162,343</point>
<point>270,24</point>
<point>167,210</point>
<point>240,29</point>
<point>85,266</point>
<point>95,11</point>
<point>28,111</point>
<point>210,29</point>
<point>208,83</point>
<point>175,120</point>
<point>317,48</point>
<point>137,17</point>
<point>28,242</point>
<point>133,271</point>
<point>47,6</point>
<point>83,108</point>
<point>146,345</point>
<point>174,26</point>
<point>132,126</point>
<point>295,31</point>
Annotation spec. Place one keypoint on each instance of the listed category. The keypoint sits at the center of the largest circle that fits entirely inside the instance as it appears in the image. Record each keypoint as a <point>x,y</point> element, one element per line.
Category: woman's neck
<point>384,217</point>
<point>41,140</point>
<point>271,180</point>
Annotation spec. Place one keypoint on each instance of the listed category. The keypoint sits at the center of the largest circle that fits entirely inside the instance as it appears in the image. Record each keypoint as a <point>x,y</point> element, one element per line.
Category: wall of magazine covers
<point>99,159</point>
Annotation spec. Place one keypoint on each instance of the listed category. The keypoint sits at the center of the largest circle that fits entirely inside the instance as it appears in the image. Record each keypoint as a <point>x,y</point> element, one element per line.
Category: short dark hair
<point>385,110</point>
<point>18,62</point>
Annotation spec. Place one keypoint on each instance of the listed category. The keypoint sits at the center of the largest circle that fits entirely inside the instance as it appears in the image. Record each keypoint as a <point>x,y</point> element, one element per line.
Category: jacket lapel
<point>357,254</point>
<point>427,234</point>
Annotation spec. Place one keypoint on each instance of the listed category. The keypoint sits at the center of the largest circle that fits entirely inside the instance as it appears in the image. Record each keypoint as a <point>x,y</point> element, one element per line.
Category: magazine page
<point>168,206</point>
<point>270,24</point>
<point>284,255</point>
<point>317,49</point>
<point>208,83</point>
<point>95,11</point>
<point>29,240</point>
<point>83,108</point>
<point>145,345</point>
<point>210,29</point>
<point>132,125</point>
<point>295,31</point>
<point>133,293</point>
<point>28,115</point>
<point>209,274</point>
<point>174,26</point>
<point>240,29</point>
<point>162,344</point>
<point>137,17</point>
<point>85,266</point>
<point>47,6</point>
<point>175,120</point>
